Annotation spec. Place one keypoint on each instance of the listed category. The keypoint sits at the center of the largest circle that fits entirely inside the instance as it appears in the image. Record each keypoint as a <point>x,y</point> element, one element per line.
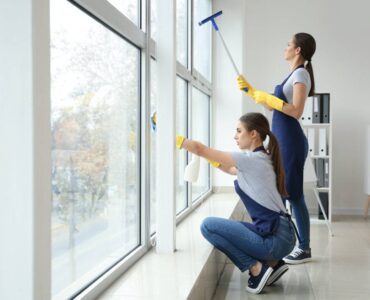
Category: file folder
<point>316,109</point>
<point>320,172</point>
<point>311,141</point>
<point>326,173</point>
<point>324,197</point>
<point>306,118</point>
<point>325,109</point>
<point>322,142</point>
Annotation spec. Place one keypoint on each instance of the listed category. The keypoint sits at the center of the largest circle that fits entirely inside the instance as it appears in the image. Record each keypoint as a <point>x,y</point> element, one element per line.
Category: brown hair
<point>258,122</point>
<point>308,47</point>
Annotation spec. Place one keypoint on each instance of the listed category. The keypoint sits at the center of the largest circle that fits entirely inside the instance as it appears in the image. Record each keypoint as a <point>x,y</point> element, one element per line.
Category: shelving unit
<point>319,135</point>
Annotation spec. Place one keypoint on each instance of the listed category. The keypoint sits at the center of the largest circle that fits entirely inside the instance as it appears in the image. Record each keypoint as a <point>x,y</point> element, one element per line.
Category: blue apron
<point>265,221</point>
<point>293,146</point>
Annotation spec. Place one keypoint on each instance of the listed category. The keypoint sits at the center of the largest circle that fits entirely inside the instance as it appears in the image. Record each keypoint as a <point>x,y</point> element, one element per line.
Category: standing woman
<point>288,103</point>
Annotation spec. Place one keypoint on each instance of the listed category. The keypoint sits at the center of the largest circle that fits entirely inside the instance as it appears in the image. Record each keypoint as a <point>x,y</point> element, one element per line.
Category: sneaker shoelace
<point>297,253</point>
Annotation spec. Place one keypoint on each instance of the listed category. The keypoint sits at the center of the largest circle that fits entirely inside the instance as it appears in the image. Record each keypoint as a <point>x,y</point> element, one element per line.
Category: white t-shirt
<point>257,179</point>
<point>299,75</point>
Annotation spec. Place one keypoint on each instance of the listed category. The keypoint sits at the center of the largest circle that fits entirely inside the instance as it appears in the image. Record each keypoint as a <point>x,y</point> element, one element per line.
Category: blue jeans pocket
<point>283,241</point>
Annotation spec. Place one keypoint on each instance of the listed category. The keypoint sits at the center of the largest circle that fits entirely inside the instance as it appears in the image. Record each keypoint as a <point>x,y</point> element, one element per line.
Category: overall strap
<point>260,148</point>
<point>286,79</point>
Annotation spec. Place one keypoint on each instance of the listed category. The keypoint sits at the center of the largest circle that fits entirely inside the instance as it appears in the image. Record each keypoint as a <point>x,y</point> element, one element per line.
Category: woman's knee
<point>208,225</point>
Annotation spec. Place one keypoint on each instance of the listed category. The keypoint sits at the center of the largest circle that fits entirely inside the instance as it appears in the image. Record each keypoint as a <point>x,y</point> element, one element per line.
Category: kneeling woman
<point>258,246</point>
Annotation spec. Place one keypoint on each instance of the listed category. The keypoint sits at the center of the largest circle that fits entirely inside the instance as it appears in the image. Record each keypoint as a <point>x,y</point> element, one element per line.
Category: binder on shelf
<point>306,118</point>
<point>326,173</point>
<point>320,172</point>
<point>322,142</point>
<point>311,141</point>
<point>316,109</point>
<point>324,197</point>
<point>325,105</point>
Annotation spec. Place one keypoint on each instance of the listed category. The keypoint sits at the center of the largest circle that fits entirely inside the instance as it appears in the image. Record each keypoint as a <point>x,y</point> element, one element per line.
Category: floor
<point>340,268</point>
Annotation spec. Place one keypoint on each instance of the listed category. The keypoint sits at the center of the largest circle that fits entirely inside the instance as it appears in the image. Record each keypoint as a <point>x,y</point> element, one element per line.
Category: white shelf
<point>316,125</point>
<point>318,156</point>
<point>316,220</point>
<point>323,189</point>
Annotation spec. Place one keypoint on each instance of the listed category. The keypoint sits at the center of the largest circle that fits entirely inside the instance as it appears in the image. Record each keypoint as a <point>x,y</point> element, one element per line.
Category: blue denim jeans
<point>300,213</point>
<point>245,247</point>
<point>302,219</point>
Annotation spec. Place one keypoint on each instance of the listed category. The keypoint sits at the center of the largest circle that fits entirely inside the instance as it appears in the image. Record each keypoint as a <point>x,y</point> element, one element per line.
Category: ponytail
<point>258,122</point>
<point>274,151</point>
<point>310,71</point>
<point>308,47</point>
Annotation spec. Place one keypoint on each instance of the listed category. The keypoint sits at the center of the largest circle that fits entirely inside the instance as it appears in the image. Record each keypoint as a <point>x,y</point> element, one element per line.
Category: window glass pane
<point>181,126</point>
<point>153,19</point>
<point>202,38</point>
<point>94,108</point>
<point>182,31</point>
<point>200,132</point>
<point>153,144</point>
<point>130,8</point>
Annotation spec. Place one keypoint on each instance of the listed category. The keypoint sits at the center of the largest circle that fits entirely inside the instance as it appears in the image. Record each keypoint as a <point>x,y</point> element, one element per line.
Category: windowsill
<point>191,271</point>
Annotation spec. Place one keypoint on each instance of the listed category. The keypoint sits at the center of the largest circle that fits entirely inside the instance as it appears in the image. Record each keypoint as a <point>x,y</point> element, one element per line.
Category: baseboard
<point>340,211</point>
<point>223,189</point>
<point>348,212</point>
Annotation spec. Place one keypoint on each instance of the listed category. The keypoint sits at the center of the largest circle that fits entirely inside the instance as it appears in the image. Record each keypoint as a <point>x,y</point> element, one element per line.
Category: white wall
<point>341,65</point>
<point>25,150</point>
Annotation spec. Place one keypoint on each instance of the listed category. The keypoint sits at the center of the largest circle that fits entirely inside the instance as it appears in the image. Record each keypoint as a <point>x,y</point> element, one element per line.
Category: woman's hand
<point>244,85</point>
<point>267,99</point>
<point>260,97</point>
<point>179,141</point>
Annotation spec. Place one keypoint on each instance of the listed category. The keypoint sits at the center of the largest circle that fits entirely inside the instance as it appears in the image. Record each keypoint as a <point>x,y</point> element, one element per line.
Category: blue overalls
<point>293,149</point>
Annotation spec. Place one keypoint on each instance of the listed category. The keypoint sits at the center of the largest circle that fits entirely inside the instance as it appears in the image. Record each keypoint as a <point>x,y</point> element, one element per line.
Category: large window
<point>202,38</point>
<point>153,19</point>
<point>98,81</point>
<point>95,179</point>
<point>130,8</point>
<point>182,31</point>
<point>200,132</point>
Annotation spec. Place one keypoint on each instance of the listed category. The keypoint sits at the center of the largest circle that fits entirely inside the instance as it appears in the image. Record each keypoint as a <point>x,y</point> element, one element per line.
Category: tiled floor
<point>340,268</point>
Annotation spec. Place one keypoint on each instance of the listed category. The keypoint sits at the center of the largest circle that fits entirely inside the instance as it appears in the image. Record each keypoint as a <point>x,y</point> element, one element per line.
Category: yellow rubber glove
<point>259,96</point>
<point>214,164</point>
<point>266,98</point>
<point>245,86</point>
<point>179,140</point>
